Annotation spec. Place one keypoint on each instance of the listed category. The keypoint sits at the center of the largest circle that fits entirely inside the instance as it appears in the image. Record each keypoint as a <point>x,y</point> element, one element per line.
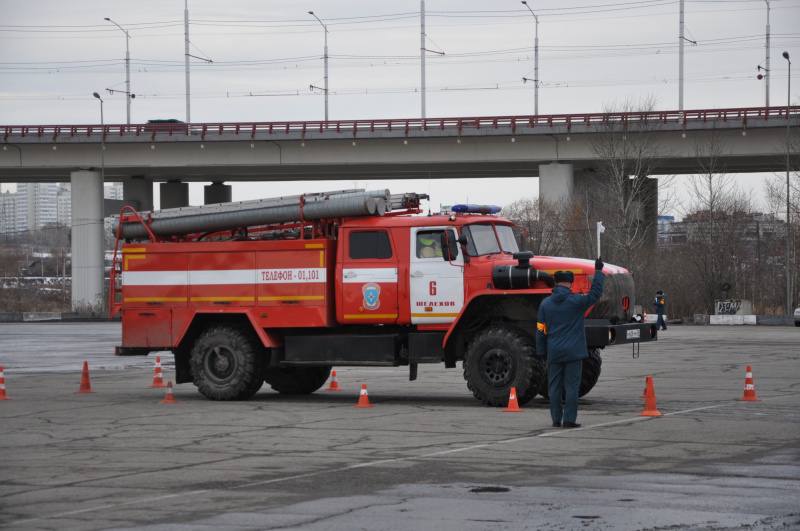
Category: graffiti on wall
<point>728,307</point>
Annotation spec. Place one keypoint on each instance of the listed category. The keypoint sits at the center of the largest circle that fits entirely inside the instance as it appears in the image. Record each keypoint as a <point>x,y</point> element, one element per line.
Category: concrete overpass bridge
<point>556,148</point>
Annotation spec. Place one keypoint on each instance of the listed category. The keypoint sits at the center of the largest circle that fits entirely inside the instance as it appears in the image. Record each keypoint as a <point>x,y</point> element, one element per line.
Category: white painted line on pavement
<point>549,433</point>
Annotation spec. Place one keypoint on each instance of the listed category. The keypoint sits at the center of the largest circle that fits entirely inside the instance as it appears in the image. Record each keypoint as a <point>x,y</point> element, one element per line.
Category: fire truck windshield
<point>482,239</point>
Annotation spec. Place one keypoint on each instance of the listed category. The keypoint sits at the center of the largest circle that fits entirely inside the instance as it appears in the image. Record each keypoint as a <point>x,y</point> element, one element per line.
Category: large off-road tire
<point>296,380</point>
<point>498,359</point>
<point>590,373</point>
<point>226,363</point>
<point>538,375</point>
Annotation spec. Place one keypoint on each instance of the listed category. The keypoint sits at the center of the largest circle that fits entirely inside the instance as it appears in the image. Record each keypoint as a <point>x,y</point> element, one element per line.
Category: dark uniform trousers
<point>564,379</point>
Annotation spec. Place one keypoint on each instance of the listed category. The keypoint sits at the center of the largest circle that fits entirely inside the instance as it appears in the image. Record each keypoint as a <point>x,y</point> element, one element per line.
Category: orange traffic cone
<point>513,405</point>
<point>3,385</point>
<point>749,387</point>
<point>86,384</point>
<point>363,397</point>
<point>169,398</point>
<point>650,409</point>
<point>158,376</point>
<point>334,386</point>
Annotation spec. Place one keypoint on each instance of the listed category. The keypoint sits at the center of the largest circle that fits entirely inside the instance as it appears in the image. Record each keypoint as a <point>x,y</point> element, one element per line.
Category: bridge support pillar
<point>174,194</point>
<point>217,192</point>
<point>138,192</point>
<point>88,242</point>
<point>556,182</point>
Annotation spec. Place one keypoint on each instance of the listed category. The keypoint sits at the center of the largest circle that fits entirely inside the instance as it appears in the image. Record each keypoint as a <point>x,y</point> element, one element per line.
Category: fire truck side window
<point>429,244</point>
<point>372,244</point>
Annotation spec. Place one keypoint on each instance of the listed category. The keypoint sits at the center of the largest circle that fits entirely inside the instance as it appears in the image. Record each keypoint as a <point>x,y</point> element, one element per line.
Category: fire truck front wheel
<point>296,380</point>
<point>226,364</point>
<point>498,359</point>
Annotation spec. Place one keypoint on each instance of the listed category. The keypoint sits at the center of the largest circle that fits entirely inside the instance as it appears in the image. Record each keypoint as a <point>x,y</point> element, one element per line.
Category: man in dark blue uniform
<point>659,303</point>
<point>560,336</point>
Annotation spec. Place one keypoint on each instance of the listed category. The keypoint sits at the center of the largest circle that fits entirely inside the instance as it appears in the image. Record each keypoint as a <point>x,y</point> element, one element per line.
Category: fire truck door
<point>437,285</point>
<point>367,276</point>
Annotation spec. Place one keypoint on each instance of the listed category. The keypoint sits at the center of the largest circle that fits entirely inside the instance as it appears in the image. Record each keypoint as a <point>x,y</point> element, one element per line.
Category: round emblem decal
<point>372,296</point>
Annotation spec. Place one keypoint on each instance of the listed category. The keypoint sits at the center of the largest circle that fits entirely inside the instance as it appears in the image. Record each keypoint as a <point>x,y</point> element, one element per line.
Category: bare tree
<point>542,224</point>
<point>718,250</point>
<point>623,195</point>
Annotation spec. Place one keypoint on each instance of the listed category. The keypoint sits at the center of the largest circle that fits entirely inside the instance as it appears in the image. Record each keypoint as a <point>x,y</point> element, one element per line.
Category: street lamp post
<point>535,61</point>
<point>128,95</point>
<point>788,219</point>
<point>766,70</point>
<point>325,57</point>
<point>102,139</point>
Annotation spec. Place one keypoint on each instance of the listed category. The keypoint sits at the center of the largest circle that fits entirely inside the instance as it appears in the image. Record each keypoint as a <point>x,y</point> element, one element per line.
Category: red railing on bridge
<point>406,125</point>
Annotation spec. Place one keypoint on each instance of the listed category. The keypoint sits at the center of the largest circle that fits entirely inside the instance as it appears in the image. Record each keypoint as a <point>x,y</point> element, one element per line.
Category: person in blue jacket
<point>561,338</point>
<point>658,304</point>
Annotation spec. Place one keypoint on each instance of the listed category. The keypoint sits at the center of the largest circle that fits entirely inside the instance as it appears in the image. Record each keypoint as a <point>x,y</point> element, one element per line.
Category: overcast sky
<point>593,55</point>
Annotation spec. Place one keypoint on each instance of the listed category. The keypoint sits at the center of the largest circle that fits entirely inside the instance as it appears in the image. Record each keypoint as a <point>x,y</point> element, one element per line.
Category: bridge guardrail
<point>202,130</point>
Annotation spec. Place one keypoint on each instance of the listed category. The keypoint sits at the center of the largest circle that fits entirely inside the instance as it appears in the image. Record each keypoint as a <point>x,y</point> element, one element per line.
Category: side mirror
<point>449,246</point>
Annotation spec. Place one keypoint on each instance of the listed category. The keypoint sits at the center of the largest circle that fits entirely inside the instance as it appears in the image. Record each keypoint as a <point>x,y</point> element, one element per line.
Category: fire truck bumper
<point>601,333</point>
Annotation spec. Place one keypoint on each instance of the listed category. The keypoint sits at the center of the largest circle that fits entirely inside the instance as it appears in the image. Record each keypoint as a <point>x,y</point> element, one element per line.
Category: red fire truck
<point>281,290</point>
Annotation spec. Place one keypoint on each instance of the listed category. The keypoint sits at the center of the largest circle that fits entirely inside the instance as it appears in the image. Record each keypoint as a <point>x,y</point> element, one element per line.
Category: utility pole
<point>186,62</point>
<point>422,54</point>
<point>325,57</point>
<point>535,61</point>
<point>766,46</point>
<point>188,56</point>
<point>682,40</point>
<point>788,190</point>
<point>680,58</point>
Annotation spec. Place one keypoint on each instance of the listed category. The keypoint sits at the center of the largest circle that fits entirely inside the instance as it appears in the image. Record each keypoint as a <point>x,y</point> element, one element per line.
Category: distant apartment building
<point>64,205</point>
<point>8,212</point>
<point>35,205</point>
<point>664,228</point>
<point>757,230</point>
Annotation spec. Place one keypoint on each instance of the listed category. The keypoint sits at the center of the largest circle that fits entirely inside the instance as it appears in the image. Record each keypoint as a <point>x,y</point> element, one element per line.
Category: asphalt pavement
<point>427,456</point>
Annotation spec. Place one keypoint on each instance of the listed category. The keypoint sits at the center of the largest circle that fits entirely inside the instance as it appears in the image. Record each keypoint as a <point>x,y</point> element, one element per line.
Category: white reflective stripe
<point>217,277</point>
<point>749,375</point>
<point>749,387</point>
<point>370,274</point>
<point>363,391</point>
<point>225,276</point>
<point>155,278</point>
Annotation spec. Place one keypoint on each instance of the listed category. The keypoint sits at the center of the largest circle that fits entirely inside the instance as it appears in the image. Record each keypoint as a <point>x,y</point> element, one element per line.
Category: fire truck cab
<point>284,302</point>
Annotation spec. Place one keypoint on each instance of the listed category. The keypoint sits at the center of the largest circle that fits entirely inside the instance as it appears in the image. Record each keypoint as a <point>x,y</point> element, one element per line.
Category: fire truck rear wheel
<point>296,380</point>
<point>226,364</point>
<point>498,359</point>
<point>590,373</point>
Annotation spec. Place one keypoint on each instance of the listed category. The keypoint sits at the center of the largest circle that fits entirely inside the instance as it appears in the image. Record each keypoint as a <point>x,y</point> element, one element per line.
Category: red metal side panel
<point>222,278</point>
<point>294,285</point>
<point>153,285</point>
<point>151,278</point>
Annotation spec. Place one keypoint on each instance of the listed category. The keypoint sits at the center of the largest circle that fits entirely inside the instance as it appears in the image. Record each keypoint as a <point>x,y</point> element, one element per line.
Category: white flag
<point>600,228</point>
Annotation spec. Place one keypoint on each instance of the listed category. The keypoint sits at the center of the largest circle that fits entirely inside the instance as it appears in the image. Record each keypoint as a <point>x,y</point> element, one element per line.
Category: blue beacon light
<point>476,209</point>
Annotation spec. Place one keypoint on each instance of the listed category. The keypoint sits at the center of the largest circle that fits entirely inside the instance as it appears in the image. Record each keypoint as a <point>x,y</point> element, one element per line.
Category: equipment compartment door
<point>367,278</point>
<point>437,286</point>
<point>147,327</point>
